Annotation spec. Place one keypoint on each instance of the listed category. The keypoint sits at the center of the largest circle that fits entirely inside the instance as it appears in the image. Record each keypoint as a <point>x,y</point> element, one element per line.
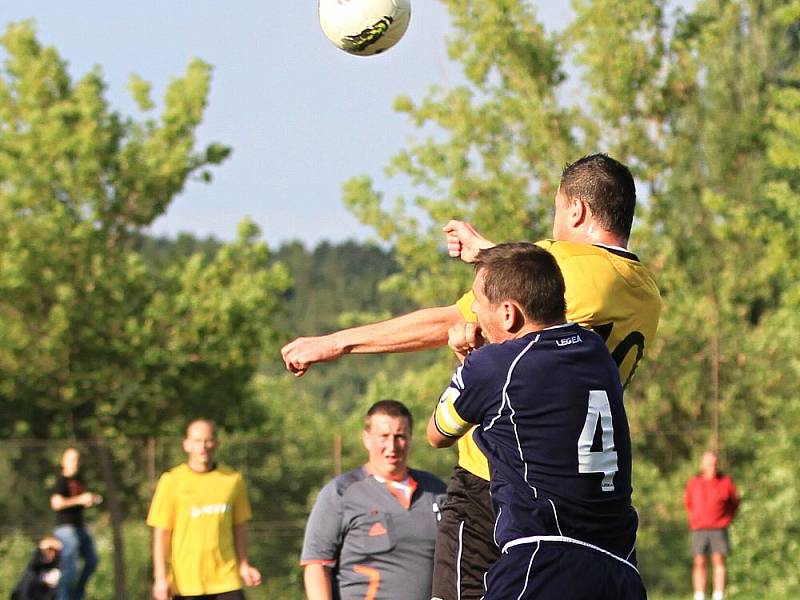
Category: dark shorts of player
<point>234,595</point>
<point>549,570</point>
<point>714,541</point>
<point>465,547</point>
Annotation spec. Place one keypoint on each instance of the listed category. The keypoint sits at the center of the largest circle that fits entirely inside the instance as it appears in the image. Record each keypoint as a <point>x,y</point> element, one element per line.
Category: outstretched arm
<point>420,330</point>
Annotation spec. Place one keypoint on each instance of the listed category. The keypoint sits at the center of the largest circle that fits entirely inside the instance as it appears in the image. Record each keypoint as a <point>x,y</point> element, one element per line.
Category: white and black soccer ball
<point>364,27</point>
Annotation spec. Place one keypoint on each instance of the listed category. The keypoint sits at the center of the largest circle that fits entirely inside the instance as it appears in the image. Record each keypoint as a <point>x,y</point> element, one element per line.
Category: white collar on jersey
<point>620,248</point>
<point>567,324</point>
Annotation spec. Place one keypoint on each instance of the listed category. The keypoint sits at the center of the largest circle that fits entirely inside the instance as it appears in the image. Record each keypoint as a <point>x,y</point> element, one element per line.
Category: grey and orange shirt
<point>378,541</point>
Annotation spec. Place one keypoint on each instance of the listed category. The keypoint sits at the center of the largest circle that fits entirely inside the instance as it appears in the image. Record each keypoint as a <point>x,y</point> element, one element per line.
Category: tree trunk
<point>106,467</point>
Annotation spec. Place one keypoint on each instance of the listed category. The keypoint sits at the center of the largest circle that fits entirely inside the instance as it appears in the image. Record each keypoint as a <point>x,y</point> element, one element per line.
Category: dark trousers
<point>234,595</point>
<point>465,547</point>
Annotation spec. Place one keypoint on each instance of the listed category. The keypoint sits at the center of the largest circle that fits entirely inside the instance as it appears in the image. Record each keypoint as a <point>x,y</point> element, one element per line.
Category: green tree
<point>96,342</point>
<point>701,103</point>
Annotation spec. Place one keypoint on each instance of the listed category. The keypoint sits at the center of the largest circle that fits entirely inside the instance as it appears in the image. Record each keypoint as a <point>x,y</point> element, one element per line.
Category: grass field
<point>15,550</point>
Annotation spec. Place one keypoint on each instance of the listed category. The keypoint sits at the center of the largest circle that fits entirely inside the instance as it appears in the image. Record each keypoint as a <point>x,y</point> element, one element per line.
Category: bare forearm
<point>435,437</point>
<point>240,541</point>
<point>317,581</point>
<point>59,502</point>
<point>420,330</point>
<point>161,540</point>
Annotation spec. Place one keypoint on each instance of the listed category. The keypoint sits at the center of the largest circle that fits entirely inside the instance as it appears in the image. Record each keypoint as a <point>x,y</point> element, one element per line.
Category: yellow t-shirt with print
<point>607,290</point>
<point>201,509</point>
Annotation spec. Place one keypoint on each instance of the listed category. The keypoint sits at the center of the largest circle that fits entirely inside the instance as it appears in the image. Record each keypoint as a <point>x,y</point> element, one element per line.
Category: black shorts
<point>465,547</point>
<point>562,571</point>
<point>234,595</point>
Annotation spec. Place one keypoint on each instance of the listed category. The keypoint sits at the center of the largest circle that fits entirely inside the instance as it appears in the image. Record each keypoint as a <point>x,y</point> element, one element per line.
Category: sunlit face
<point>561,229</point>
<point>387,441</point>
<point>70,461</point>
<point>489,315</point>
<point>201,444</point>
<point>708,464</point>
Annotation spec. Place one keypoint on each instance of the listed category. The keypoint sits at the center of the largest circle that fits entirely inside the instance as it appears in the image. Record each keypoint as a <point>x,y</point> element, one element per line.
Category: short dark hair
<point>392,408</point>
<point>607,186</point>
<point>526,274</point>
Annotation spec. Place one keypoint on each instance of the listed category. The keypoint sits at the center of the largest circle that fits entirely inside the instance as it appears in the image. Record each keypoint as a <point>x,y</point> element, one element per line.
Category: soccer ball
<point>364,27</point>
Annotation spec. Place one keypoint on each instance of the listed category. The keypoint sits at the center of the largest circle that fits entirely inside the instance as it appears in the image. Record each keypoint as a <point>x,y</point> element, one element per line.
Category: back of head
<point>607,186</point>
<point>392,408</point>
<point>527,275</point>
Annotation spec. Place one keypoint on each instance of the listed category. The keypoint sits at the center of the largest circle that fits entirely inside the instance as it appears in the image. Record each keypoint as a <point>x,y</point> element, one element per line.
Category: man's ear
<point>365,439</point>
<point>579,213</point>
<point>513,317</point>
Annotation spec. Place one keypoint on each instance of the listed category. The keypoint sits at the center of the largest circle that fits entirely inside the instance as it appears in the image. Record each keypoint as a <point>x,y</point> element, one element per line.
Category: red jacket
<point>711,503</point>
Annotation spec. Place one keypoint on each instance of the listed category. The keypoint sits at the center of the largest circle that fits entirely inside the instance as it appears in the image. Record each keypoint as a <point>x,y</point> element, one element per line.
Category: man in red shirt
<point>711,502</point>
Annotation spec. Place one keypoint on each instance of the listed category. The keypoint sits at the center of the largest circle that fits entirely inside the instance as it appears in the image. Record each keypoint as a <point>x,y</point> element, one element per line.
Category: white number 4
<point>605,461</point>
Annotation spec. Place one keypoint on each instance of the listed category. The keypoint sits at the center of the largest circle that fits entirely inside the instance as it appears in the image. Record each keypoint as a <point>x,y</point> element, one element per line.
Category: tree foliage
<point>94,337</point>
<point>702,103</point>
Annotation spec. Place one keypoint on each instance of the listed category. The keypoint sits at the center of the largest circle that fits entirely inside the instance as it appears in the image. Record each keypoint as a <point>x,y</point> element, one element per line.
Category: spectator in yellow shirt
<point>199,514</point>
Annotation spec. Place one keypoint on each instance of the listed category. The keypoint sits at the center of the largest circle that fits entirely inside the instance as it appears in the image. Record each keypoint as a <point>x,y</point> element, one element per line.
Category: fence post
<point>337,454</point>
<point>151,463</point>
<point>120,583</point>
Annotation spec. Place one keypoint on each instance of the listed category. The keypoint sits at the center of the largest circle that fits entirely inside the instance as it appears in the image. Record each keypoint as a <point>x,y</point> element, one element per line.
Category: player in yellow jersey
<point>608,289</point>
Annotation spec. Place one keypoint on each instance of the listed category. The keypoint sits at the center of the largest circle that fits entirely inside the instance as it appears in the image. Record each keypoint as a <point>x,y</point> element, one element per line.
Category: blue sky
<point>301,115</point>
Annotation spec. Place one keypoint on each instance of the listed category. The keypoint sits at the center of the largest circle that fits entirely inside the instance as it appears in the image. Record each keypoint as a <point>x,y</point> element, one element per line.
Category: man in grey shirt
<point>372,530</point>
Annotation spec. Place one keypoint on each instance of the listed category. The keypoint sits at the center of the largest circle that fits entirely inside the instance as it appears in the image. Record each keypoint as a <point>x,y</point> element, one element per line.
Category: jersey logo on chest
<point>208,509</point>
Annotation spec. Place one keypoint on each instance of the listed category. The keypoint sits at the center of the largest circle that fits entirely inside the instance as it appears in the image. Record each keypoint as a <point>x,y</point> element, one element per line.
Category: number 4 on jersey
<point>605,461</point>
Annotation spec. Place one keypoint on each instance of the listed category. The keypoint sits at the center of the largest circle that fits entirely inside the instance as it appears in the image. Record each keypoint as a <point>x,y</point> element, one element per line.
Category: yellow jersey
<point>201,509</point>
<point>607,290</point>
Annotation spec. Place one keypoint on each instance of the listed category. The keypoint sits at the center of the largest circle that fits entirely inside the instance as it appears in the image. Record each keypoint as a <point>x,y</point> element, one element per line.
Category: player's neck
<point>201,467</point>
<point>396,475</point>
<point>593,234</point>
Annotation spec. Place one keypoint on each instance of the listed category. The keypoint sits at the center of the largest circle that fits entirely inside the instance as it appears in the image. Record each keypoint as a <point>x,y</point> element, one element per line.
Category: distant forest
<point>334,285</point>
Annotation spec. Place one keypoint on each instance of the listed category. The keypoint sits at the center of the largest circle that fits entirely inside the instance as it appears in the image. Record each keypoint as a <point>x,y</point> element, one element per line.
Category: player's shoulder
<point>176,471</point>
<point>601,266</point>
<point>227,471</point>
<point>504,352</point>
<point>171,476</point>
<point>569,337</point>
<point>724,477</point>
<point>428,482</point>
<point>491,361</point>
<point>563,249</point>
<point>695,479</point>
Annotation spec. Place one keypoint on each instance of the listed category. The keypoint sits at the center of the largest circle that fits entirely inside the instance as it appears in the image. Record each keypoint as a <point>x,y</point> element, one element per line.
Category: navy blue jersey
<point>551,421</point>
